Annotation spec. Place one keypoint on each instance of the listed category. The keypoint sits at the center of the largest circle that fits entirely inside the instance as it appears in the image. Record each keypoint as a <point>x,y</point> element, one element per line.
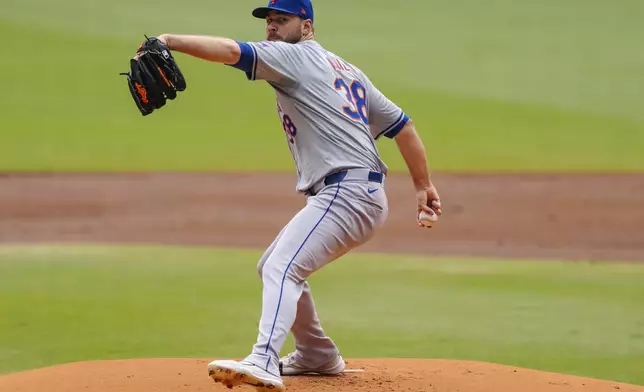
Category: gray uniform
<point>331,114</point>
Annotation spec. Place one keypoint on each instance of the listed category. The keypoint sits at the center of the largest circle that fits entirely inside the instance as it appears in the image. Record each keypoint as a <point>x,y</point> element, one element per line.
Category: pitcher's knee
<point>278,270</point>
<point>260,267</point>
<point>272,271</point>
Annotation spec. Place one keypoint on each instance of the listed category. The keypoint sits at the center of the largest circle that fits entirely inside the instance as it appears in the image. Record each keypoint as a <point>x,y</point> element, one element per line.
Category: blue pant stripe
<point>279,302</point>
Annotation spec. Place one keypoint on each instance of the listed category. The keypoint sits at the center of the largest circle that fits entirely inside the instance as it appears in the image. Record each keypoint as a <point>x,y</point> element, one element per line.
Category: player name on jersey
<point>340,65</point>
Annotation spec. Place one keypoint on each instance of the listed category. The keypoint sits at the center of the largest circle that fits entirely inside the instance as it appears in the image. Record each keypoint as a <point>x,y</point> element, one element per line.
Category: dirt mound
<point>161,375</point>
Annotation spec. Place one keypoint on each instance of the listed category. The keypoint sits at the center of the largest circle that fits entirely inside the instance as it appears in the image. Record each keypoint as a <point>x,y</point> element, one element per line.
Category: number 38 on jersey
<point>356,107</point>
<point>356,98</point>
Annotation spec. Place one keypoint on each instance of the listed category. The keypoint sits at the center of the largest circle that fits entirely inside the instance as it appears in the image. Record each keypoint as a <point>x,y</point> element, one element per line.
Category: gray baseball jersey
<point>330,111</point>
<point>331,114</point>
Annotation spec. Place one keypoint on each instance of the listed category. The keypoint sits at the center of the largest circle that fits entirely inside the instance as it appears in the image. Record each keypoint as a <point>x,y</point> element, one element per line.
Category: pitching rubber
<point>353,371</point>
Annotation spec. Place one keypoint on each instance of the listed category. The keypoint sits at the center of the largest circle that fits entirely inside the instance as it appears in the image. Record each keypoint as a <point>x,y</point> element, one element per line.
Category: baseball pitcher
<point>332,115</point>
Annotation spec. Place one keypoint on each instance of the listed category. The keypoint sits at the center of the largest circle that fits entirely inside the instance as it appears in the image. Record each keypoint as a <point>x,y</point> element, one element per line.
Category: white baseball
<point>426,219</point>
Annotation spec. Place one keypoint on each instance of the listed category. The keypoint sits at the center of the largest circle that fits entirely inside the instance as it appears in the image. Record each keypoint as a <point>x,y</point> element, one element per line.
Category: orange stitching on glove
<point>163,75</point>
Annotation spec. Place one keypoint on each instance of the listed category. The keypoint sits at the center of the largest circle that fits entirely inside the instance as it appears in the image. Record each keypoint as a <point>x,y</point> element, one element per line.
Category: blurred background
<point>532,116</point>
<point>493,86</point>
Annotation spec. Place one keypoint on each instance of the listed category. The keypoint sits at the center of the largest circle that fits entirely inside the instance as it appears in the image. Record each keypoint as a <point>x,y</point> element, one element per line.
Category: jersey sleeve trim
<point>395,128</point>
<point>247,60</point>
<point>253,73</point>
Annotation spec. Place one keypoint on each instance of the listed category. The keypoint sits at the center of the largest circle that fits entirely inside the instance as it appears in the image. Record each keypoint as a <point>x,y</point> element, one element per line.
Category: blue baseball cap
<point>301,8</point>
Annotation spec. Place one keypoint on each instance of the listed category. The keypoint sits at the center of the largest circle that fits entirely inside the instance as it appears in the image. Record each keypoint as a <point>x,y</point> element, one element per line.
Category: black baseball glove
<point>154,76</point>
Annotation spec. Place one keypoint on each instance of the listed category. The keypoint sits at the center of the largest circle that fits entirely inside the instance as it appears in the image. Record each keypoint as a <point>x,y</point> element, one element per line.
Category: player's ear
<point>307,27</point>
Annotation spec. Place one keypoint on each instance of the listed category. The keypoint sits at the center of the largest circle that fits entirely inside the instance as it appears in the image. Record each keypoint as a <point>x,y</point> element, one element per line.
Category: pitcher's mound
<point>170,375</point>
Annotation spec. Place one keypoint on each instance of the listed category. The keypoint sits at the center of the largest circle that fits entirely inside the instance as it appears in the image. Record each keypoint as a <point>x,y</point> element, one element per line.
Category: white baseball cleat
<point>290,367</point>
<point>233,373</point>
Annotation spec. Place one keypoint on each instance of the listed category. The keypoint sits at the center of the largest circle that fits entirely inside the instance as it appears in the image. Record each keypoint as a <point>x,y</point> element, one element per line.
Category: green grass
<point>500,85</point>
<point>69,303</point>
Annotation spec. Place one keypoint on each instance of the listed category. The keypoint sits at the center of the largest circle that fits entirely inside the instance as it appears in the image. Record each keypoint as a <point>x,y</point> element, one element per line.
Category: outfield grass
<point>66,303</point>
<point>496,85</point>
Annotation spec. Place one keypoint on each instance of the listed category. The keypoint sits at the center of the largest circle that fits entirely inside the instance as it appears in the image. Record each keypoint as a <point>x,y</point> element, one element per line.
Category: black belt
<point>339,176</point>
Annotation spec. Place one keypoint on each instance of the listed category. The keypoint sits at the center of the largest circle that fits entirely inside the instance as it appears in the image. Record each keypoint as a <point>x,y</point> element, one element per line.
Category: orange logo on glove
<point>142,93</point>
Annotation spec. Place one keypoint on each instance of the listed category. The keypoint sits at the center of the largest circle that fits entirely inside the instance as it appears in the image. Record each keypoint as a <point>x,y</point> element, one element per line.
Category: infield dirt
<point>580,217</point>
